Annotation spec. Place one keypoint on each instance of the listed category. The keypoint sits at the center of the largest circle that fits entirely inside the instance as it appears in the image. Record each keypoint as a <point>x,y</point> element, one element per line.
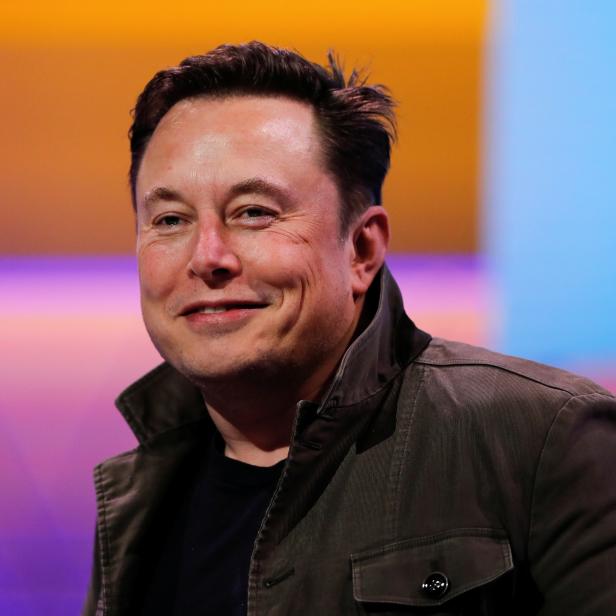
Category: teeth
<point>212,310</point>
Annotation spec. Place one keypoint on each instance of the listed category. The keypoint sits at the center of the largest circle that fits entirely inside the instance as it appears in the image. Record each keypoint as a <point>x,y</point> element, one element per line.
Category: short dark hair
<point>356,121</point>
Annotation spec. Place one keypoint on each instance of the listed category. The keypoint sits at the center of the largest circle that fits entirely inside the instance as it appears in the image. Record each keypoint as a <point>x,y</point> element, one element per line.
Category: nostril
<point>222,272</point>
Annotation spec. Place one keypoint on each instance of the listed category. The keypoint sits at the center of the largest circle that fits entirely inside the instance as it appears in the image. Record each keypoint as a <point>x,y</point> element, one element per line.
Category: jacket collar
<point>164,400</point>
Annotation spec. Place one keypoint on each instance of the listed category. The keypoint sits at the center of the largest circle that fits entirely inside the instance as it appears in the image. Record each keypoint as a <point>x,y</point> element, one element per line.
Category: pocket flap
<point>430,570</point>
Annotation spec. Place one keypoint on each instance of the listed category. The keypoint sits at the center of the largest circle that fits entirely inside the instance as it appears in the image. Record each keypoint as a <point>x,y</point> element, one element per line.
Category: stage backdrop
<point>72,71</point>
<point>501,197</point>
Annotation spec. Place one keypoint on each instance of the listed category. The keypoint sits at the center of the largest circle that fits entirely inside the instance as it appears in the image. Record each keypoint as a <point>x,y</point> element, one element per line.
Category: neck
<point>261,442</point>
<point>255,416</point>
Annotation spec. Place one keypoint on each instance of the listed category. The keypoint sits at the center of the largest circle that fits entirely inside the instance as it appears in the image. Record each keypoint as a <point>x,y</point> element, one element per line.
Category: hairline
<point>344,222</point>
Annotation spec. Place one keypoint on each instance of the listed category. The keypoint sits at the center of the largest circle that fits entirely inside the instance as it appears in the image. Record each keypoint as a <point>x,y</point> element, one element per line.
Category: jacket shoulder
<point>449,355</point>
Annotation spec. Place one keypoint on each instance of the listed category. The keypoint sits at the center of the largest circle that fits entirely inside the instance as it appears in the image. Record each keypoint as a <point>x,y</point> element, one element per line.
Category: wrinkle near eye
<point>296,235</point>
<point>293,236</point>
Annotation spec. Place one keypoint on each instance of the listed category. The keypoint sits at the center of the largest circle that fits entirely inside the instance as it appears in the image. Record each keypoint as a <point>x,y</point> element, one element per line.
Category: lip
<point>231,305</point>
<point>235,313</point>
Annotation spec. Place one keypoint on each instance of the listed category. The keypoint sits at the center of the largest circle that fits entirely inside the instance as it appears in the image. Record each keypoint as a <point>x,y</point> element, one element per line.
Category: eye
<point>255,212</point>
<point>255,216</point>
<point>170,220</point>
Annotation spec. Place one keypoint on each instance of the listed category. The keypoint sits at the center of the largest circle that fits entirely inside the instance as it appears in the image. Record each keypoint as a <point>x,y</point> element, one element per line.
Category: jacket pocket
<point>430,571</point>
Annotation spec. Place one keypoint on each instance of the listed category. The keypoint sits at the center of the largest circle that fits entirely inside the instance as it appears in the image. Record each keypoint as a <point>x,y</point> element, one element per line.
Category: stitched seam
<point>273,581</point>
<point>499,535</point>
<point>426,603</point>
<point>105,546</point>
<point>130,418</point>
<point>474,584</point>
<point>494,533</point>
<point>125,400</point>
<point>336,384</point>
<point>357,587</point>
<point>124,454</point>
<point>539,461</point>
<point>478,362</point>
<point>394,500</point>
<point>557,415</point>
<point>372,395</point>
<point>507,555</point>
<point>255,567</point>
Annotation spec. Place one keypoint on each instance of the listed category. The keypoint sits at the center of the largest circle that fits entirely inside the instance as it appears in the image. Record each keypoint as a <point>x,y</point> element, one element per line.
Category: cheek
<point>299,272</point>
<point>272,259</point>
<point>324,285</point>
<point>159,269</point>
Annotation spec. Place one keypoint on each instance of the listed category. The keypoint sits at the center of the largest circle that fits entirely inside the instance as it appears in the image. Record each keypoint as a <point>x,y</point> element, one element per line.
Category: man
<point>305,449</point>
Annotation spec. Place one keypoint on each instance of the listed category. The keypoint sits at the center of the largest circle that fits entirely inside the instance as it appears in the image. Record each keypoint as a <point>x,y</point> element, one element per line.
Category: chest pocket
<point>448,570</point>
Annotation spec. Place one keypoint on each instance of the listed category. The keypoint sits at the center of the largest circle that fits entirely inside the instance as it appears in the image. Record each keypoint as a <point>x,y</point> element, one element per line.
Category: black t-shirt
<point>202,566</point>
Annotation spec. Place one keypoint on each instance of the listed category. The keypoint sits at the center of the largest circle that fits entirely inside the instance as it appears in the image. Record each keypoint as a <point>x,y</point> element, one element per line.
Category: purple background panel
<point>72,339</point>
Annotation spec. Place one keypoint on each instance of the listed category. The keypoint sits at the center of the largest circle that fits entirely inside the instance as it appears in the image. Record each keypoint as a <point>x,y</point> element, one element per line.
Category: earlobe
<point>370,239</point>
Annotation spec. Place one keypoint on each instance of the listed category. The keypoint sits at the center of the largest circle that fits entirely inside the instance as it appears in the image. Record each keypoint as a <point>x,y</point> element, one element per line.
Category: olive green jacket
<point>433,478</point>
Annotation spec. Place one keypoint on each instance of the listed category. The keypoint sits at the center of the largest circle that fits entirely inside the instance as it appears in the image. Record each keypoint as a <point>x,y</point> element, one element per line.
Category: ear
<point>370,236</point>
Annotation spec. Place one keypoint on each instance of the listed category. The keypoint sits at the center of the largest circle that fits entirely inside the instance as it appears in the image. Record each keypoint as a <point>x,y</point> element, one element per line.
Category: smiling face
<point>243,270</point>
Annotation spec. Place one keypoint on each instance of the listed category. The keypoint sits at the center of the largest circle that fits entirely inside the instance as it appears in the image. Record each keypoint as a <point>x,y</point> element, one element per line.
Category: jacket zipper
<point>251,611</point>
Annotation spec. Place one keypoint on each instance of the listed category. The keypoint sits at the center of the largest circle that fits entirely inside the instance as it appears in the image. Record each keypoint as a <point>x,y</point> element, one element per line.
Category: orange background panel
<point>72,71</point>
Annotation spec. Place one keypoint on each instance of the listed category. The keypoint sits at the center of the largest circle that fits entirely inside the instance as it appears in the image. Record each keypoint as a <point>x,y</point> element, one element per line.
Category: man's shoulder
<point>477,368</point>
<point>471,392</point>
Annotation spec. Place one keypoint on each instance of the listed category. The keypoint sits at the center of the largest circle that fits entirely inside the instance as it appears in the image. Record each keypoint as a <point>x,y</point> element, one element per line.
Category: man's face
<point>242,266</point>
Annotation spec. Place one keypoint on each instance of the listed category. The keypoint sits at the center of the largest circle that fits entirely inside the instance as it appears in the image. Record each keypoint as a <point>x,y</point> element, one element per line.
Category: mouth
<point>220,308</point>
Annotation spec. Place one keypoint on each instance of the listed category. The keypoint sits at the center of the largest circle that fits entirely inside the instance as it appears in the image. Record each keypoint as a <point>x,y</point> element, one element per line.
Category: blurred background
<point>502,198</point>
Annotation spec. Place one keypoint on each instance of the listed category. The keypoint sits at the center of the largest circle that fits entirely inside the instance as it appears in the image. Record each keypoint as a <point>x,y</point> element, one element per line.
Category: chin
<point>216,370</point>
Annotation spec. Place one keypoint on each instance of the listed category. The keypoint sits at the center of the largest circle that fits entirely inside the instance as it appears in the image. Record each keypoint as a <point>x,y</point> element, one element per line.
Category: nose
<point>213,259</point>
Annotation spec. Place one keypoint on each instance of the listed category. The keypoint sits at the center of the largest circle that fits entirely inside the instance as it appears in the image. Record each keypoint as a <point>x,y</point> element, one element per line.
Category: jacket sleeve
<point>94,589</point>
<point>572,538</point>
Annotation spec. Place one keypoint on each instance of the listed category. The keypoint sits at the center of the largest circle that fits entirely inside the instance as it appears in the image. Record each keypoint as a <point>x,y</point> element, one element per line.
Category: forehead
<point>270,114</point>
<point>233,135</point>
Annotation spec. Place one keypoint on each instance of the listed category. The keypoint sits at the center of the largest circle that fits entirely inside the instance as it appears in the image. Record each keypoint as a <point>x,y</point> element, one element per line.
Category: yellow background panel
<point>72,71</point>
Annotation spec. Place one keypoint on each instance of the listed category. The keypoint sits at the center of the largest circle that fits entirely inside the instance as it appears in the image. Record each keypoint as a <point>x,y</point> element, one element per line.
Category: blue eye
<point>169,221</point>
<point>255,212</point>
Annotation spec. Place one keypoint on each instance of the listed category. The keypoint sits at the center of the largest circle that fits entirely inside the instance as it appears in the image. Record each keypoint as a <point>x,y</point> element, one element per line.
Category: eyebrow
<point>160,193</point>
<point>254,186</point>
<point>259,186</point>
